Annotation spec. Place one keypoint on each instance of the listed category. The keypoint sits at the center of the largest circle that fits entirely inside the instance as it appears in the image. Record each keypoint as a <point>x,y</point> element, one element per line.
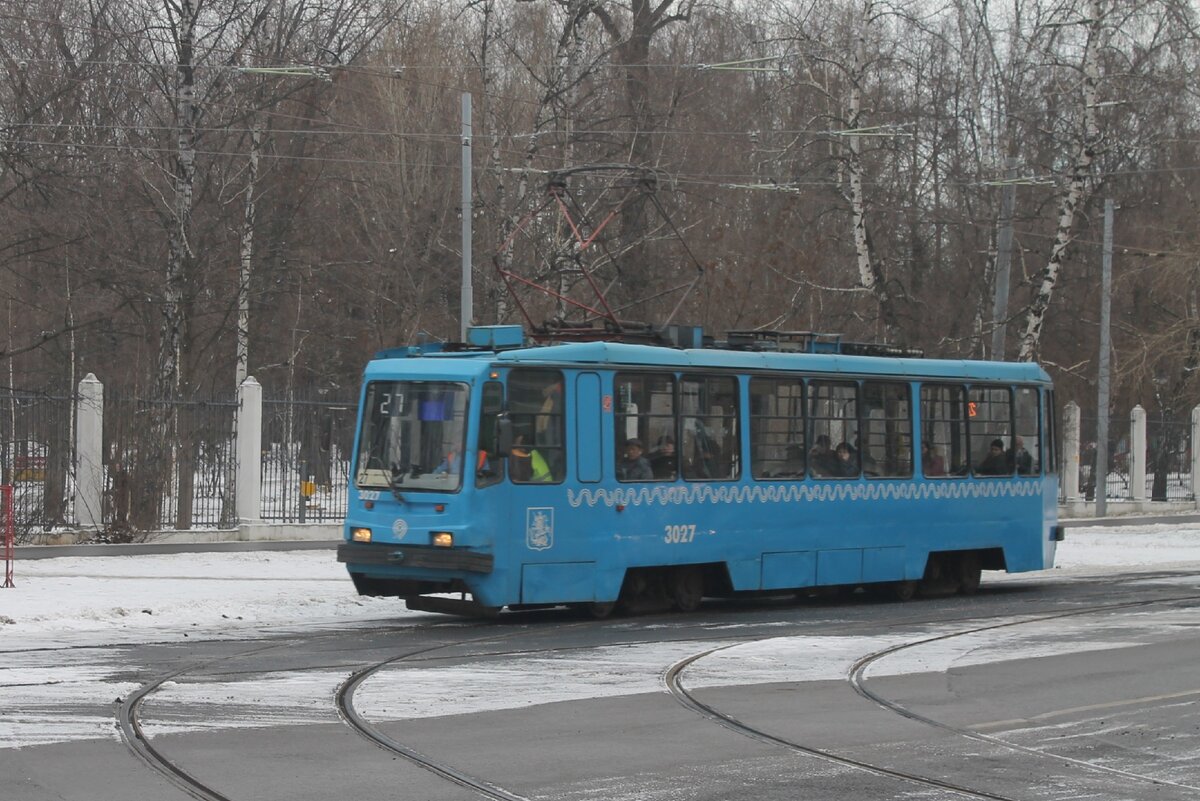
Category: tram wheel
<point>904,590</point>
<point>969,573</point>
<point>687,588</point>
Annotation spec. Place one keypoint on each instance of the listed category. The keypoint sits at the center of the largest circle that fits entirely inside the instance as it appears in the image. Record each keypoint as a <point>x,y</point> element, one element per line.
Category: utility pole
<point>1004,238</point>
<point>1101,468</point>
<point>466,303</point>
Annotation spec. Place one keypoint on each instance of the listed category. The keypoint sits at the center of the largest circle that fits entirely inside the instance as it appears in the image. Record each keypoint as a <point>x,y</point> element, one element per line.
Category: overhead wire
<point>330,126</point>
<point>733,180</point>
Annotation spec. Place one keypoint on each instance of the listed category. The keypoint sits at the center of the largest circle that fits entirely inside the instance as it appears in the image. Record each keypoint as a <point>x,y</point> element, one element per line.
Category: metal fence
<point>36,458</point>
<point>1118,473</point>
<point>1168,460</point>
<point>306,459</point>
<point>169,464</point>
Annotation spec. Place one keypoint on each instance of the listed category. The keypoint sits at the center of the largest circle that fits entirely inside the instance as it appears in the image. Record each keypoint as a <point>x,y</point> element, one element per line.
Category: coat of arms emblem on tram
<point>539,528</point>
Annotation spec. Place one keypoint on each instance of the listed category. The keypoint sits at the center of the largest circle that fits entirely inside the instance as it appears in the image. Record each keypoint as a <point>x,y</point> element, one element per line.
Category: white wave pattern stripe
<point>679,495</point>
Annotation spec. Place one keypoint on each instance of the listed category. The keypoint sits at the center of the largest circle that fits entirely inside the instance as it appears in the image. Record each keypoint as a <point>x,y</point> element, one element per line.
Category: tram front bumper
<point>417,556</point>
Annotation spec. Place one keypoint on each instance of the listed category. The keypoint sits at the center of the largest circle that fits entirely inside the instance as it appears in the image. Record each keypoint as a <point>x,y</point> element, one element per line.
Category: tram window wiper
<point>397,480</point>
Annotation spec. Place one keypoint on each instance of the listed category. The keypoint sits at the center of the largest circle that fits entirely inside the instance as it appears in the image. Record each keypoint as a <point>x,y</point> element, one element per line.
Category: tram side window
<point>943,430</point>
<point>1026,447</point>
<point>489,468</point>
<point>887,430</point>
<point>833,429</point>
<point>777,428</point>
<point>645,427</point>
<point>989,415</point>
<point>709,442</point>
<point>535,405</point>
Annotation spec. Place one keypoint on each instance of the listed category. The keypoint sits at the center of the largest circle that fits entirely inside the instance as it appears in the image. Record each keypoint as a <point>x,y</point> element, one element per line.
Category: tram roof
<point>617,353</point>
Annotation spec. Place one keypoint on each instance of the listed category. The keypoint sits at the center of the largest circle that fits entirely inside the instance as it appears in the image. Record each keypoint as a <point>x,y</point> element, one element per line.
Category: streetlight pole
<point>1003,259</point>
<point>1101,468</point>
<point>466,301</point>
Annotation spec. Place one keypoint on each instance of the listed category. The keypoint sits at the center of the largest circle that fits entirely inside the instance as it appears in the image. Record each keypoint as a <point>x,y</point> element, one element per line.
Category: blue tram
<point>597,473</point>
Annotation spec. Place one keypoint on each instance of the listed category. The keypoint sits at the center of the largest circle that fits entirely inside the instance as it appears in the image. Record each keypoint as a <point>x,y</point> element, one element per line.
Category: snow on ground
<point>103,600</point>
<point>115,599</point>
<point>1163,545</point>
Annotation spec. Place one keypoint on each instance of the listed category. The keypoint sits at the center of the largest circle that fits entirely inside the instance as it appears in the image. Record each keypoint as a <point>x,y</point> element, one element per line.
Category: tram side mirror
<point>504,434</point>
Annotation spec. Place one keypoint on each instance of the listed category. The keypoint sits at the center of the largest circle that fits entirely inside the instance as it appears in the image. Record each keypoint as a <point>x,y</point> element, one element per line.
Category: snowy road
<point>264,641</point>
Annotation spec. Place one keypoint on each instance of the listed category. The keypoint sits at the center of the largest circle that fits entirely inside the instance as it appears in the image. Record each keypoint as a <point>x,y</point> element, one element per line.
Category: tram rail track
<point>857,680</point>
<point>160,762</point>
<point>673,678</point>
<point>141,746</point>
<point>674,681</point>
<point>129,723</point>
<point>344,700</point>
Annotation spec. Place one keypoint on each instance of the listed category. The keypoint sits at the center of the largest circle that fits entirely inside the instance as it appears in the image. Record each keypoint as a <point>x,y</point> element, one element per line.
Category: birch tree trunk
<point>157,474</point>
<point>247,253</point>
<point>870,273</point>
<point>249,219</point>
<point>1076,193</point>
<point>170,368</point>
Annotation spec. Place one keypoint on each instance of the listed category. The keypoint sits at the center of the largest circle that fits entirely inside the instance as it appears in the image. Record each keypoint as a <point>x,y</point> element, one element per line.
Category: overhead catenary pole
<point>1101,468</point>
<point>466,301</point>
<point>1004,239</point>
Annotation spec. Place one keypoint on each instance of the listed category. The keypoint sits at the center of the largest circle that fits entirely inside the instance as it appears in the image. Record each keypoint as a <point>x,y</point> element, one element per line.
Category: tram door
<point>542,469</point>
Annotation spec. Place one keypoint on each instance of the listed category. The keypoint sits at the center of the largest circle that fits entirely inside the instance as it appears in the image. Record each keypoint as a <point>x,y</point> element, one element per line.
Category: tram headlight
<point>360,534</point>
<point>442,539</point>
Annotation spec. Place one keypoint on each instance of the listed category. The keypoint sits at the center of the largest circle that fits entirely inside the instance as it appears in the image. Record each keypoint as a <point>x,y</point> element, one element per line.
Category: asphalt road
<point>1039,689</point>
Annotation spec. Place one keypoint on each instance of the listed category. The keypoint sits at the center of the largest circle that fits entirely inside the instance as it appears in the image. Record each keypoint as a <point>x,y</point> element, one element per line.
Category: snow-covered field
<point>113,599</point>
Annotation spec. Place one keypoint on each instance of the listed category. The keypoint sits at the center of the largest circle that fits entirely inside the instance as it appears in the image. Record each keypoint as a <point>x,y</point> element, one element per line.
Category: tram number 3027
<point>679,534</point>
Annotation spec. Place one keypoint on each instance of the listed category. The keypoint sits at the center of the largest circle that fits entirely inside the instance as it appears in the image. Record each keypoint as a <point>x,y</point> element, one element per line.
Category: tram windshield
<point>413,436</point>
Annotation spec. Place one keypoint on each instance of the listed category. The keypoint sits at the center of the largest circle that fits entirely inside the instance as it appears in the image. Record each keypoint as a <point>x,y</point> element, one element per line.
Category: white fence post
<point>1194,449</point>
<point>89,454</point>
<point>1070,476</point>
<point>1137,455</point>
<point>248,484</point>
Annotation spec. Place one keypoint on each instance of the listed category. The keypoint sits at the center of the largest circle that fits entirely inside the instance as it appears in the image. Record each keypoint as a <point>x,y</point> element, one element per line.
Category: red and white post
<point>9,522</point>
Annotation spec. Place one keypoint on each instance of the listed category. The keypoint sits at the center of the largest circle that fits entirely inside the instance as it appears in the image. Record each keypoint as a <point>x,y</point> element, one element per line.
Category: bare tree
<point>1075,191</point>
<point>870,273</point>
<point>632,30</point>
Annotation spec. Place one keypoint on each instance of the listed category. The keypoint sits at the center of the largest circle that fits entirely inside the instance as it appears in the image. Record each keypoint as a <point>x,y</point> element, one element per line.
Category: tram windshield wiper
<point>396,480</point>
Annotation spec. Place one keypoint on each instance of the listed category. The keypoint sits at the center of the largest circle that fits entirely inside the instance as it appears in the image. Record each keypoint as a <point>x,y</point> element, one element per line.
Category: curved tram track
<point>345,707</point>
<point>857,679</point>
<point>675,685</point>
<point>144,750</point>
<point>160,762</point>
<point>156,760</point>
<point>674,681</point>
